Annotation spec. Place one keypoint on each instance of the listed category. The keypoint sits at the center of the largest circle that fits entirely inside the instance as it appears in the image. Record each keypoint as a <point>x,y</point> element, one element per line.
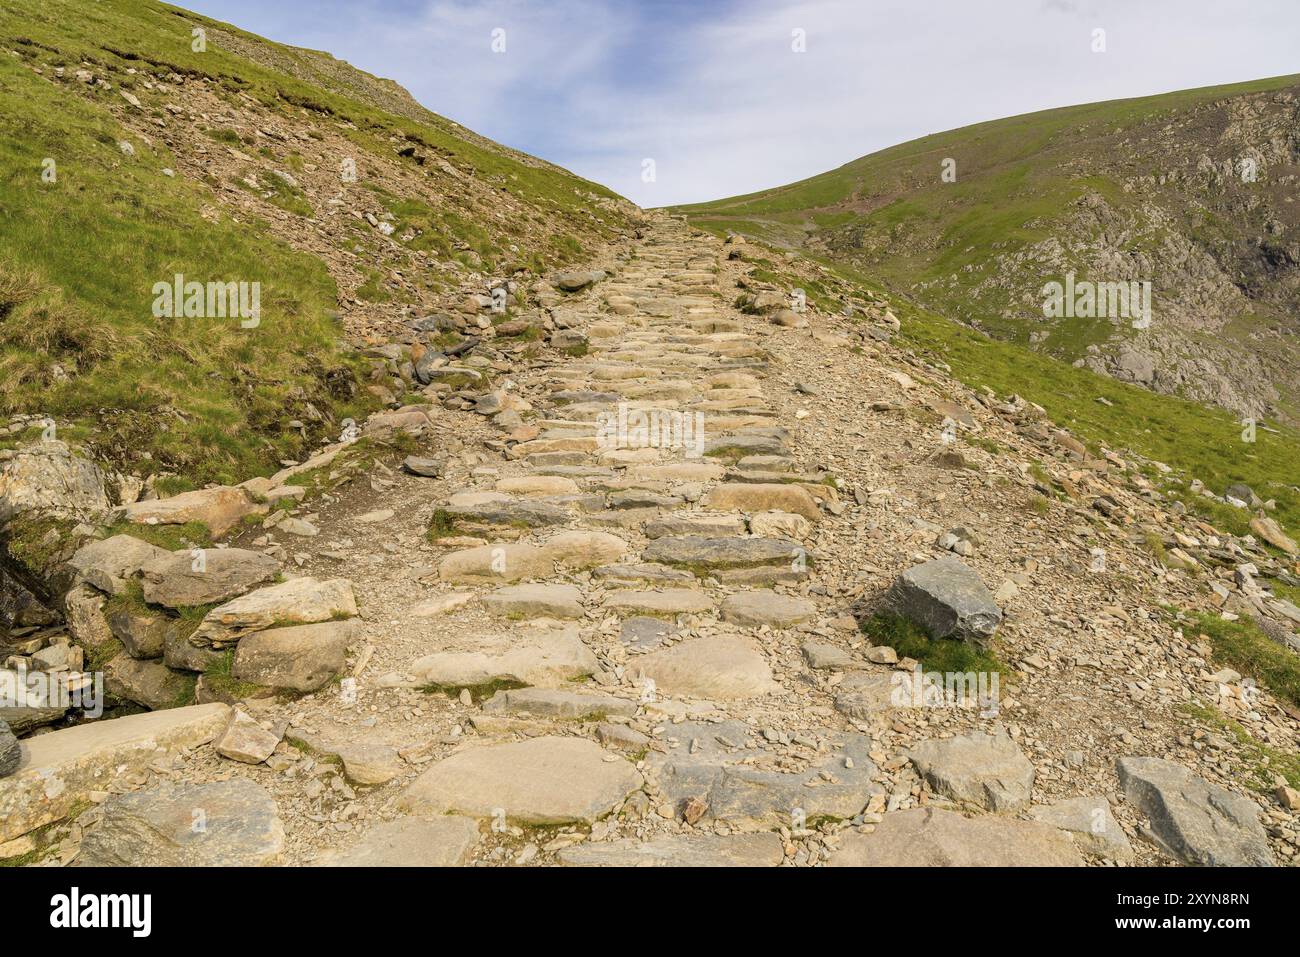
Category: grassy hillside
<point>1142,189</point>
<point>127,156</point>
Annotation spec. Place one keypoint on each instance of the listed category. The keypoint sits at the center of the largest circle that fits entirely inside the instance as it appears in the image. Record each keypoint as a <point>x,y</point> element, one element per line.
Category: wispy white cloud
<point>718,96</point>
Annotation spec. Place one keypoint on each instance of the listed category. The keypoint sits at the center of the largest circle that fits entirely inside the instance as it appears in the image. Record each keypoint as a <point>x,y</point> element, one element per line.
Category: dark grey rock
<point>947,599</point>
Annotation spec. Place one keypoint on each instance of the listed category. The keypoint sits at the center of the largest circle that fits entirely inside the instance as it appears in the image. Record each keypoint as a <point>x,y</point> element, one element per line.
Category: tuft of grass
<point>221,680</point>
<point>171,537</point>
<point>935,654</point>
<point>441,525</point>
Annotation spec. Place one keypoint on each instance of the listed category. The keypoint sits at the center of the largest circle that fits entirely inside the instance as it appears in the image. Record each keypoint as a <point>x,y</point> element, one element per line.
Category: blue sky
<point>718,94</point>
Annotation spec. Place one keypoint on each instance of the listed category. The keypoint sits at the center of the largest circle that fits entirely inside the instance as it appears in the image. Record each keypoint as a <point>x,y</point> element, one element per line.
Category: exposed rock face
<point>11,752</point>
<point>150,683</point>
<point>1198,822</point>
<point>947,599</point>
<point>111,563</point>
<point>237,825</point>
<point>931,837</point>
<point>48,478</point>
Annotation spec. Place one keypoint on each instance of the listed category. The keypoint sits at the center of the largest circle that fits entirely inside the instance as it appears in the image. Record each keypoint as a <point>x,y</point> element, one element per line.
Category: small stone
<point>245,740</point>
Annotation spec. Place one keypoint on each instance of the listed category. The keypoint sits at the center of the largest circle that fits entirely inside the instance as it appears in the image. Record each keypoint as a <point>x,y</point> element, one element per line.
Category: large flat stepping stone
<point>59,769</point>
<point>641,498</point>
<point>756,608</point>
<point>1090,821</point>
<point>680,850</point>
<point>535,601</point>
<point>546,780</point>
<point>1196,821</point>
<point>759,497</point>
<point>511,562</point>
<point>718,769</point>
<point>538,485</point>
<point>543,656</point>
<point>933,837</point>
<point>735,447</point>
<point>495,563</point>
<point>702,554</point>
<point>709,525</point>
<point>985,770</point>
<point>559,703</point>
<point>446,841</point>
<point>678,472</point>
<point>518,514</point>
<point>156,828</point>
<point>641,573</point>
<point>580,549</point>
<point>299,601</point>
<point>720,668</point>
<point>668,603</point>
<point>946,598</point>
<point>204,577</point>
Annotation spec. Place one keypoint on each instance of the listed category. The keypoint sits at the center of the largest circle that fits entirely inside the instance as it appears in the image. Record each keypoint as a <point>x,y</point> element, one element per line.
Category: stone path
<point>612,625</point>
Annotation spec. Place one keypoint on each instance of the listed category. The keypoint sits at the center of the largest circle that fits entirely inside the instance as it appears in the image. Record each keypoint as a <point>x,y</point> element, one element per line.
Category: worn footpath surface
<point>609,654</point>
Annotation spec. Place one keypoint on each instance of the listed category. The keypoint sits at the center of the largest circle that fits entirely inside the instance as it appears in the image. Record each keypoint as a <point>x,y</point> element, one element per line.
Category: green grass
<point>479,692</point>
<point>945,655</point>
<point>441,525</point>
<point>78,339</point>
<point>1245,648</point>
<point>204,398</point>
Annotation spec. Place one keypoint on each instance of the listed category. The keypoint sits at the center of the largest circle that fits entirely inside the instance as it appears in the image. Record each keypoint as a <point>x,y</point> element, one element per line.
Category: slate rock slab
<point>1197,822</point>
